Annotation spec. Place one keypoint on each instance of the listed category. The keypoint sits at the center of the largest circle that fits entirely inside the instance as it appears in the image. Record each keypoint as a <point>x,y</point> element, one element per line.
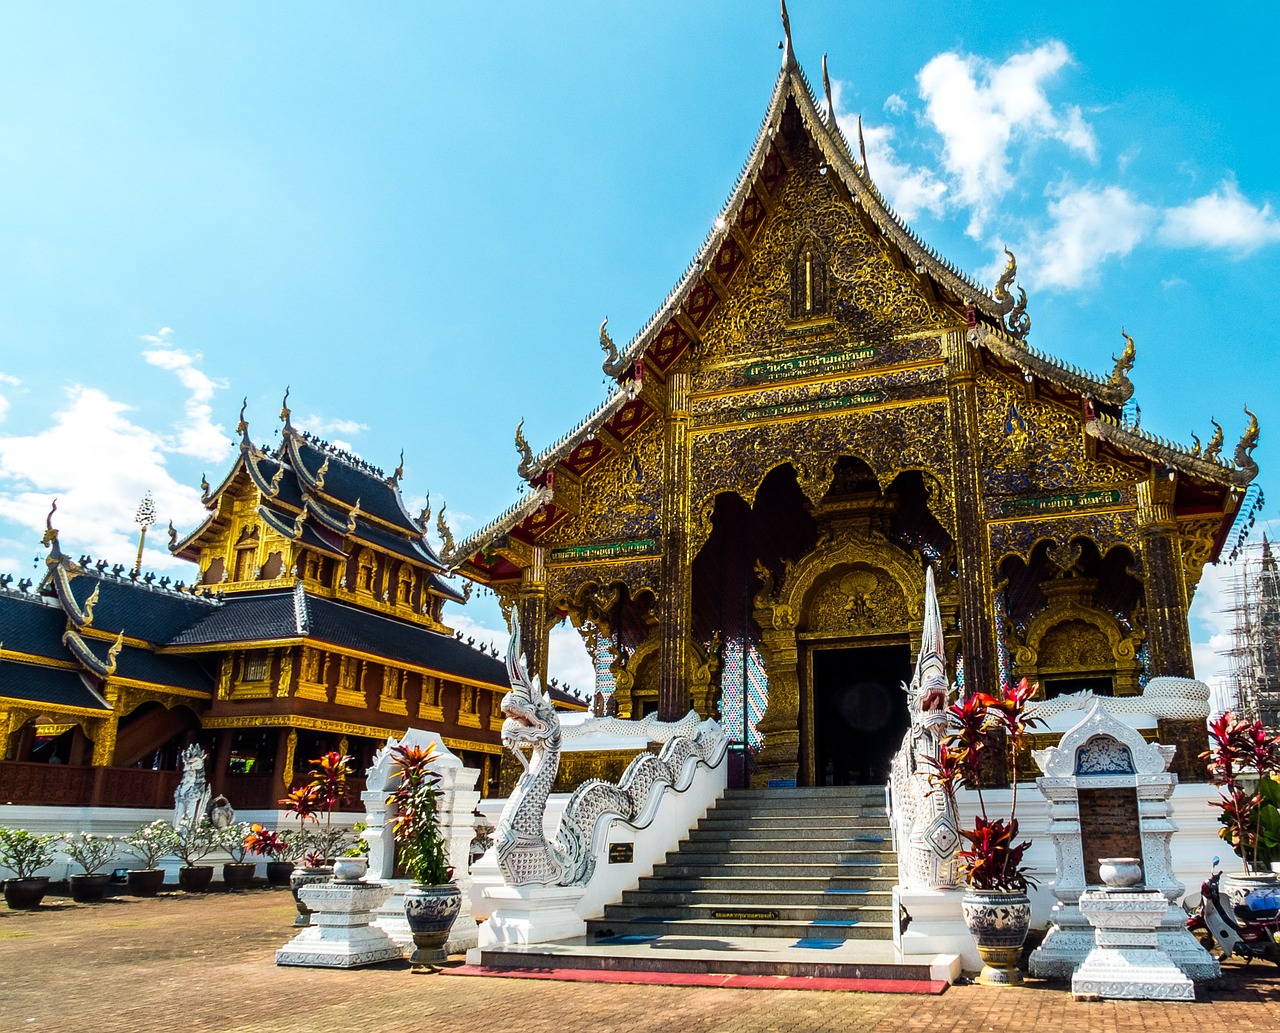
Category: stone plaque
<point>622,853</point>
<point>1108,827</point>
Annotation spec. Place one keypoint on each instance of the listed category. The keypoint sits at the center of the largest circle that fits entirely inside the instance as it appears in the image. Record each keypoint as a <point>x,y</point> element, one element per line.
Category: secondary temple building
<point>313,622</point>
<point>820,408</point>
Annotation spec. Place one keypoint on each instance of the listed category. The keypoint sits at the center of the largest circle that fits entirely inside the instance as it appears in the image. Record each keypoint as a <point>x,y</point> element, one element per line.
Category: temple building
<point>313,621</point>
<point>821,408</point>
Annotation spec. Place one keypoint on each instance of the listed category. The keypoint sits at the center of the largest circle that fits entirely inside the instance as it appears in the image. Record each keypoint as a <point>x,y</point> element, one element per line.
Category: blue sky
<point>417,214</point>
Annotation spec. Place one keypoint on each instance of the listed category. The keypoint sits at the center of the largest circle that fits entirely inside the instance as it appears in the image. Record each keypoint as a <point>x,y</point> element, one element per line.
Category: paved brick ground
<point>206,963</point>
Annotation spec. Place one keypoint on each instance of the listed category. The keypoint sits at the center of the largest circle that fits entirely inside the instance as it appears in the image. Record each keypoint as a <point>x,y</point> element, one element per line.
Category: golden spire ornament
<point>144,518</point>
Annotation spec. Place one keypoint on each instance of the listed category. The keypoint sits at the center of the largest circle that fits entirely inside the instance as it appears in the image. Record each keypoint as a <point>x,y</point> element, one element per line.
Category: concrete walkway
<point>206,964</point>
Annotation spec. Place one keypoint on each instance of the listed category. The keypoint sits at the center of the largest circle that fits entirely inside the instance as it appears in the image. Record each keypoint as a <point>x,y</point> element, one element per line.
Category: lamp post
<point>144,518</point>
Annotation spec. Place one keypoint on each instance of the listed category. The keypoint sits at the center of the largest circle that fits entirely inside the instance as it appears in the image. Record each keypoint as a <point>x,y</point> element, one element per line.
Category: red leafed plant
<point>994,858</point>
<point>265,842</point>
<point>416,827</point>
<point>327,788</point>
<point>1245,759</point>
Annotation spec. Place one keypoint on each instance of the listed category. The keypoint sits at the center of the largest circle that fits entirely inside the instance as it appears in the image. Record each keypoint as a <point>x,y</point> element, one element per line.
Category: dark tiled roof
<point>439,584</point>
<point>48,685</point>
<point>139,610</point>
<point>415,549</point>
<point>287,491</point>
<point>341,625</point>
<point>29,624</point>
<point>251,617</point>
<point>182,672</point>
<point>346,483</point>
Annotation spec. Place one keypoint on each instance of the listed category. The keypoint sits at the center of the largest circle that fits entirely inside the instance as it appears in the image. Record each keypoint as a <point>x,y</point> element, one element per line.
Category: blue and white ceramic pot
<point>431,911</point>
<point>998,923</point>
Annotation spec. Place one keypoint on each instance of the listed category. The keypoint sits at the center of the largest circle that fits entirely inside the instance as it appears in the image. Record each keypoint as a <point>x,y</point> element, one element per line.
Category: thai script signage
<point>787,369</point>
<point>1058,503</point>
<point>814,405</point>
<point>604,551</point>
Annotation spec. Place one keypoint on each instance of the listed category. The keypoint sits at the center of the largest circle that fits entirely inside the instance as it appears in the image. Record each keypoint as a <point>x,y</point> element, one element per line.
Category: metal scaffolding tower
<point>1255,646</point>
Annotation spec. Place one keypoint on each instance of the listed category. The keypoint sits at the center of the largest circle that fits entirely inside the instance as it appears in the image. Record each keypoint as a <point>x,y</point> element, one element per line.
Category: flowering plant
<point>416,826</point>
<point>994,858</point>
<point>25,853</point>
<point>89,850</point>
<point>233,839</point>
<point>196,841</point>
<point>152,841</point>
<point>1245,759</point>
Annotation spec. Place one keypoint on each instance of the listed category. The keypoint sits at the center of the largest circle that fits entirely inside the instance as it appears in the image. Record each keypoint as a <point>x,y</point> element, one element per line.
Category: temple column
<point>1163,584</point>
<point>779,759</point>
<point>973,565</point>
<point>535,627</point>
<point>104,742</point>
<point>677,565</point>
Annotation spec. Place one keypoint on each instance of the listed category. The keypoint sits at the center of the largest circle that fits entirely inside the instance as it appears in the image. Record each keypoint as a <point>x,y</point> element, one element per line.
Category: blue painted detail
<point>845,891</point>
<point>868,839</point>
<point>826,922</point>
<point>813,943</point>
<point>782,783</point>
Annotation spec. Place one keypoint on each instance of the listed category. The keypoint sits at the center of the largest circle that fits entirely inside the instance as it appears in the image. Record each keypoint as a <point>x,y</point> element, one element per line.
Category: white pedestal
<point>1071,938</point>
<point>340,935</point>
<point>531,914</point>
<point>390,918</point>
<point>936,925</point>
<point>1126,961</point>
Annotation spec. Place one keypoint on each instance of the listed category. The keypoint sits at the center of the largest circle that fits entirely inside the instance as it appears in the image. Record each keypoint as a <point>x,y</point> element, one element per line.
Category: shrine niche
<point>819,409</point>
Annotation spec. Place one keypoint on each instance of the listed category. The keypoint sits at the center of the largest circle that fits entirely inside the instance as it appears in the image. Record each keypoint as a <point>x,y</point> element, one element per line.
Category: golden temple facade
<point>822,407</point>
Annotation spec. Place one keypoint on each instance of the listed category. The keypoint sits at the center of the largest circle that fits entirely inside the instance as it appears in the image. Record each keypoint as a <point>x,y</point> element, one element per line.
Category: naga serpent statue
<point>524,855</point>
<point>924,821</point>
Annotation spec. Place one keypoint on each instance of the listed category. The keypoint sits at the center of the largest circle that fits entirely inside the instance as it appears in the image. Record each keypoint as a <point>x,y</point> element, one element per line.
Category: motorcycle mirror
<point>1215,861</point>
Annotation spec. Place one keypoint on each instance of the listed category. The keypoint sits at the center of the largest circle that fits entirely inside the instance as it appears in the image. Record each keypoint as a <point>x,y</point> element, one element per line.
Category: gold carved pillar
<point>535,628</point>
<point>1165,591</point>
<point>11,725</point>
<point>973,565</point>
<point>104,742</point>
<point>677,564</point>
<point>780,725</point>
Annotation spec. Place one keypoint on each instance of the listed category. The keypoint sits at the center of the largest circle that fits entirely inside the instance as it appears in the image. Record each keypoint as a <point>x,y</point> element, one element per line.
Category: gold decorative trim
<point>315,724</point>
<point>37,660</point>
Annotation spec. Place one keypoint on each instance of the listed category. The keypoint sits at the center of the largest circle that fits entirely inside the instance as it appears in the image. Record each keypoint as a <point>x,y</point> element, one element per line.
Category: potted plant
<point>25,853</point>
<point>196,841</point>
<point>996,909</point>
<point>237,873</point>
<point>274,846</point>
<point>149,843</point>
<point>354,862</point>
<point>1245,759</point>
<point>315,844</point>
<point>432,903</point>
<point>91,851</point>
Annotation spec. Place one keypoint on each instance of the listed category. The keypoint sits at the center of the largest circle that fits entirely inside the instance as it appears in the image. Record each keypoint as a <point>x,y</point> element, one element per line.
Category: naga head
<point>529,712</point>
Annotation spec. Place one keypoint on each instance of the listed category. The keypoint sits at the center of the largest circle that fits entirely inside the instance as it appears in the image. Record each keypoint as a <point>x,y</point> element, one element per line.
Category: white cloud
<point>1223,219</point>
<point>910,189</point>
<point>895,105</point>
<point>313,424</point>
<point>567,658</point>
<point>98,463</point>
<point>9,381</point>
<point>197,434</point>
<point>1211,622</point>
<point>979,109</point>
<point>1089,225</point>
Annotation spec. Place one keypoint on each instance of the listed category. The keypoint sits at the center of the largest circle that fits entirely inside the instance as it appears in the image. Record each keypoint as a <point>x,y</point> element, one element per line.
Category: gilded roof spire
<point>242,425</point>
<point>1001,290</point>
<point>1214,448</point>
<point>50,537</point>
<point>446,536</point>
<point>826,90</point>
<point>424,518</point>
<point>173,536</point>
<point>610,349</point>
<point>320,474</point>
<point>862,148</point>
<point>522,446</point>
<point>352,517</point>
<point>788,53</point>
<point>113,653</point>
<point>398,472</point>
<point>1248,442</point>
<point>285,412</point>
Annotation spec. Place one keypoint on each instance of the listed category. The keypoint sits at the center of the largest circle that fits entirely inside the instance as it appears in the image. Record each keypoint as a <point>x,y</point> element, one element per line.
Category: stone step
<point>715,882</point>
<point>756,898</point>
<point>820,836</point>
<point>656,925</point>
<point>854,959</point>
<point>684,866</point>
<point>805,792</point>
<point>835,917</point>
<point>798,807</point>
<point>761,853</point>
<point>793,822</point>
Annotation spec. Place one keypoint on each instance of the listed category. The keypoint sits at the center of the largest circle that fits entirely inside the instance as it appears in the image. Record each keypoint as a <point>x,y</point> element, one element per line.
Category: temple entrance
<point>859,713</point>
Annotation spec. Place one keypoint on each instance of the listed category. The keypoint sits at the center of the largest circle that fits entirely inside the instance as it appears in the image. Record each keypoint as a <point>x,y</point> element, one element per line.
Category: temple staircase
<point>779,882</point>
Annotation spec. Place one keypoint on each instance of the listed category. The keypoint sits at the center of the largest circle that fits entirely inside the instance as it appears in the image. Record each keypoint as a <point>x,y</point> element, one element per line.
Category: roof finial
<point>826,89</point>
<point>1248,442</point>
<point>522,446</point>
<point>424,518</point>
<point>173,536</point>
<point>1125,362</point>
<point>320,474</point>
<point>446,536</point>
<point>862,149</point>
<point>398,472</point>
<point>114,652</point>
<point>352,517</point>
<point>50,532</point>
<point>1000,292</point>
<point>788,54</point>
<point>242,427</point>
<point>1214,448</point>
<point>606,344</point>
<point>285,411</point>
<point>204,485</point>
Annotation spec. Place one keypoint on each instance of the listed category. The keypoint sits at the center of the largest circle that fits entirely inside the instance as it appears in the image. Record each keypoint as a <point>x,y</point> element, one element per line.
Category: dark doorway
<point>859,713</point>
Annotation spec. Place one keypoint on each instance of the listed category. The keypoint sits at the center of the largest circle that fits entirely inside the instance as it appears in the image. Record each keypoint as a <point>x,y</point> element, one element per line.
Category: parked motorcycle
<point>1248,930</point>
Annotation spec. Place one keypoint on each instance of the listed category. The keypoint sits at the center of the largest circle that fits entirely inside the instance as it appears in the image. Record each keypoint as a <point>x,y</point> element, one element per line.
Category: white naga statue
<point>191,798</point>
<point>525,856</point>
<point>924,820</point>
